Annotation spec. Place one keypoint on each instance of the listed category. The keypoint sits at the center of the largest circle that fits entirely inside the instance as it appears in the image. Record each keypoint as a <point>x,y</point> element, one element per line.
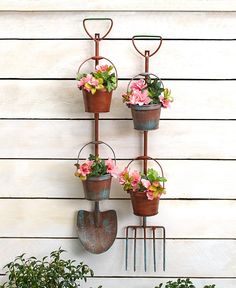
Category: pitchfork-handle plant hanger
<point>145,97</point>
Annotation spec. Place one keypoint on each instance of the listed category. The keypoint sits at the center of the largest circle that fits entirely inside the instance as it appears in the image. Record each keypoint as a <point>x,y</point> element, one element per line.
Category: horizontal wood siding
<point>137,5</point>
<point>43,125</point>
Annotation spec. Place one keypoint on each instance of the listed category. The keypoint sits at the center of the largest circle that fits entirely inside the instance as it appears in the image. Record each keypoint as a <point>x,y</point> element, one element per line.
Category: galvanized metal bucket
<point>97,188</point>
<point>145,117</point>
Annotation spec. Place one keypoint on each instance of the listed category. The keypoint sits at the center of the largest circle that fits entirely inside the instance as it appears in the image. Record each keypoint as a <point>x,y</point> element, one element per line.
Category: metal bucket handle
<point>96,142</point>
<point>98,19</point>
<point>100,58</point>
<point>149,158</point>
<point>150,37</point>
<point>144,75</point>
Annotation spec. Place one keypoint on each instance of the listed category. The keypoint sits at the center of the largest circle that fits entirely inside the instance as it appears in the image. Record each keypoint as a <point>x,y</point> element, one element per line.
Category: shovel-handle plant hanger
<point>144,228</point>
<point>97,230</point>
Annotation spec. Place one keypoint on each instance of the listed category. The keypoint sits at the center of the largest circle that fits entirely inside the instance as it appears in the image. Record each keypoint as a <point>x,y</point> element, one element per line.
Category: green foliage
<point>154,89</point>
<point>109,80</point>
<point>50,272</point>
<point>98,167</point>
<point>152,175</point>
<point>106,79</point>
<point>181,283</point>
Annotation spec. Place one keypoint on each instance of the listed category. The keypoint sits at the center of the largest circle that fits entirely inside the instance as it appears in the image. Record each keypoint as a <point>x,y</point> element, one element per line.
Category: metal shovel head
<point>97,234</point>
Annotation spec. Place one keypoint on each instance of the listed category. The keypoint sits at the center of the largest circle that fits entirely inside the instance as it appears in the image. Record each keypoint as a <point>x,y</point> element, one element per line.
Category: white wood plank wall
<point>43,125</point>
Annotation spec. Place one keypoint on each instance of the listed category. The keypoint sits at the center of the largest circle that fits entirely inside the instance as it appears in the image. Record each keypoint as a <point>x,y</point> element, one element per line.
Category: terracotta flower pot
<point>142,206</point>
<point>146,117</point>
<point>98,102</point>
<point>97,188</point>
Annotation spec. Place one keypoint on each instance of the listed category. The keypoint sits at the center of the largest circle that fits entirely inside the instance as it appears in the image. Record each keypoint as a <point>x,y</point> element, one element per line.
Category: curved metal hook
<point>147,36</point>
<point>149,158</point>
<point>95,142</point>
<point>97,19</point>
<point>100,58</point>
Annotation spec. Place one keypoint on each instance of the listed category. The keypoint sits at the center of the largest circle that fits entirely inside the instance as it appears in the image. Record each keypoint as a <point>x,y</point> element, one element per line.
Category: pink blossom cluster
<point>165,102</point>
<point>87,82</point>
<point>134,181</point>
<point>103,68</point>
<point>139,93</point>
<point>112,168</point>
<point>85,169</point>
<point>166,98</point>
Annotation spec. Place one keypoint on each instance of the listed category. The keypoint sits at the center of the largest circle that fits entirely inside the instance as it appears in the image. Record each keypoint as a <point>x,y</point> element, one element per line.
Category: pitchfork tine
<point>145,243</point>
<point>164,248</point>
<point>126,248</point>
<point>154,248</point>
<point>135,238</point>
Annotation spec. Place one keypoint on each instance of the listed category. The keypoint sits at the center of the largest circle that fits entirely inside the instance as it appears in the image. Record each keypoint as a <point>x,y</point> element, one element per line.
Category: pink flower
<point>139,98</point>
<point>146,183</point>
<point>102,68</point>
<point>150,195</point>
<point>111,168</point>
<point>138,85</point>
<point>165,102</point>
<point>123,176</point>
<point>90,80</point>
<point>135,176</point>
<point>81,82</point>
<point>89,163</point>
<point>85,168</point>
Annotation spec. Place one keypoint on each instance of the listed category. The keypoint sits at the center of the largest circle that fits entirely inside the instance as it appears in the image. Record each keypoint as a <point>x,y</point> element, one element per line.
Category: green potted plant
<point>181,283</point>
<point>145,97</point>
<point>97,87</point>
<point>48,272</point>
<point>96,175</point>
<point>145,189</point>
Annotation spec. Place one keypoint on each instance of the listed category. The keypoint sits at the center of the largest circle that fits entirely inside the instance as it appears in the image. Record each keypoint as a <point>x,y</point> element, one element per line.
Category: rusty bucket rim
<point>141,193</point>
<point>101,58</point>
<point>99,178</point>
<point>95,142</point>
<point>145,106</point>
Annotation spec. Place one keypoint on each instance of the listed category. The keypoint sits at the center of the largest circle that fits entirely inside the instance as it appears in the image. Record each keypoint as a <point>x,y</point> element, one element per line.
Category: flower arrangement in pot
<point>146,97</point>
<point>97,87</point>
<point>96,175</point>
<point>145,189</point>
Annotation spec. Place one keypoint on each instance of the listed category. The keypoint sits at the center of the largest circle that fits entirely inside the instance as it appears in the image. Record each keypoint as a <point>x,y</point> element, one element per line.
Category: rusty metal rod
<point>145,243</point>
<point>154,248</point>
<point>126,247</point>
<point>96,115</point>
<point>135,242</point>
<point>145,154</point>
<point>147,55</point>
<point>145,148</point>
<point>164,248</point>
<point>96,120</point>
